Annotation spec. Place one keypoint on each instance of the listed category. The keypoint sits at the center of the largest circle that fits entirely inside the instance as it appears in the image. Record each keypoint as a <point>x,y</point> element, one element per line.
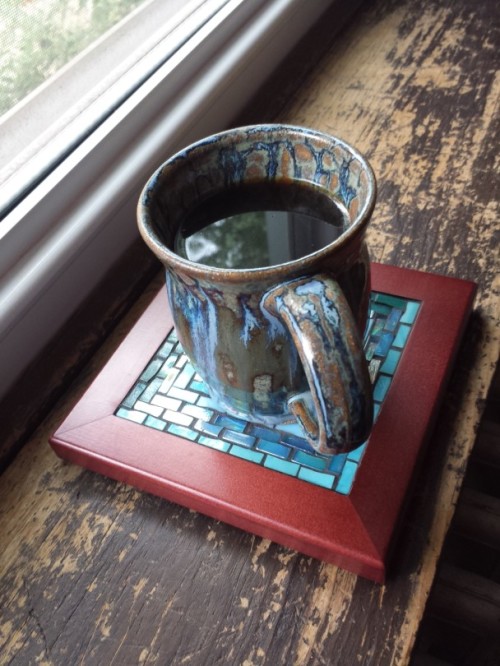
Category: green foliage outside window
<point>38,37</point>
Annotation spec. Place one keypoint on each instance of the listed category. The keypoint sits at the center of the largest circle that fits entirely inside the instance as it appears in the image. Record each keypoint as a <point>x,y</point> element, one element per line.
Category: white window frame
<point>60,240</point>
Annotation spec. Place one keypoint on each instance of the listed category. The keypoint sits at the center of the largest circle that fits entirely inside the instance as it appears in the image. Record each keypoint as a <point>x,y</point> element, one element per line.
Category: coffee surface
<point>260,226</point>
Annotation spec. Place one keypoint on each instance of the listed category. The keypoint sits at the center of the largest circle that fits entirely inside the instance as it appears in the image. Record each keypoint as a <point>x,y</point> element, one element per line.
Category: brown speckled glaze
<point>279,342</point>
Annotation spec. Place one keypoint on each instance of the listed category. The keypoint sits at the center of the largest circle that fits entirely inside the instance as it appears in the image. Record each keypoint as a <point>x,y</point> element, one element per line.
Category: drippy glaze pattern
<point>243,345</point>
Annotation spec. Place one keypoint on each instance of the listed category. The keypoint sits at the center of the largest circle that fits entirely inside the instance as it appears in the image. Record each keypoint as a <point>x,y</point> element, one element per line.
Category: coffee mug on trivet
<point>261,231</point>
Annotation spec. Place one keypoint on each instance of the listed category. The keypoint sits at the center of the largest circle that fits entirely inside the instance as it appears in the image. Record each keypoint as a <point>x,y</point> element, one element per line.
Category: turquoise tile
<point>230,422</point>
<point>169,379</point>
<point>149,408</point>
<point>247,454</point>
<point>165,402</point>
<point>183,394</point>
<point>392,320</point>
<point>384,344</point>
<point>297,442</point>
<point>317,478</point>
<point>283,466</point>
<point>274,448</point>
<point>167,365</point>
<point>310,460</point>
<point>151,390</point>
<point>185,376</point>
<point>181,361</point>
<point>357,454</point>
<point>265,433</point>
<point>238,438</point>
<point>206,401</point>
<point>346,480</point>
<point>410,313</point>
<point>381,387</point>
<point>402,336</point>
<point>181,431</point>
<point>208,428</point>
<point>153,422</point>
<point>336,464</point>
<point>198,386</point>
<point>134,395</point>
<point>151,370</point>
<point>294,429</point>
<point>381,309</point>
<point>391,362</point>
<point>165,349</point>
<point>131,415</point>
<point>198,412</point>
<point>388,299</point>
<point>214,443</point>
<point>178,417</point>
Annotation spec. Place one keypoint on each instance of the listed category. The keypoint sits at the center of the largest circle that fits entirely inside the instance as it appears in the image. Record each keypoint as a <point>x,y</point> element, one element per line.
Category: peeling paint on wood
<point>95,572</point>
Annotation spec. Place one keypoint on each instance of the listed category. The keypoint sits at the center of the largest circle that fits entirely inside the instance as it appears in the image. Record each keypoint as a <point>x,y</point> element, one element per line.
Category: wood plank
<point>478,518</point>
<point>92,571</point>
<point>467,600</point>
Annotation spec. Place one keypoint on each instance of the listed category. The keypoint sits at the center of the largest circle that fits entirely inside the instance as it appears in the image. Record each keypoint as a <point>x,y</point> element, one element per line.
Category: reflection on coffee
<point>262,225</point>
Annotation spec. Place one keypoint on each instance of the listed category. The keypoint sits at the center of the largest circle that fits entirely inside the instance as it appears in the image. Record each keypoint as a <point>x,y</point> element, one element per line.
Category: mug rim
<point>171,259</point>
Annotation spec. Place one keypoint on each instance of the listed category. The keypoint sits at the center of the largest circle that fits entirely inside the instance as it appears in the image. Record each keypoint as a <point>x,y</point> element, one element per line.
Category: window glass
<point>38,37</point>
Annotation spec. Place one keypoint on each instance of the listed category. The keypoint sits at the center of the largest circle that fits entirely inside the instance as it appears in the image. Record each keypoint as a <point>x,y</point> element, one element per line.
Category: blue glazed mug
<point>281,340</point>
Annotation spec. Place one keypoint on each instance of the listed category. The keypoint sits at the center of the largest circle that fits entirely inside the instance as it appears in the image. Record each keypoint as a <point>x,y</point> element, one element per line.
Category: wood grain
<point>94,572</point>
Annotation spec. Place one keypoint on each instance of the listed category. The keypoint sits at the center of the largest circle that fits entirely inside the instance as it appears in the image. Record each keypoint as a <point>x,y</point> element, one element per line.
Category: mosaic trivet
<point>170,396</point>
<point>352,522</point>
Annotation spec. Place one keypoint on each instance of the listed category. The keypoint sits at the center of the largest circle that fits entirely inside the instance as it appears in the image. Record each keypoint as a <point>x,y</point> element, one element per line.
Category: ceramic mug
<point>279,341</point>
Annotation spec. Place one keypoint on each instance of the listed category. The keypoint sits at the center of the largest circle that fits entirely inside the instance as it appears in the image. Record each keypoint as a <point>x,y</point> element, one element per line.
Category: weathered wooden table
<point>96,572</point>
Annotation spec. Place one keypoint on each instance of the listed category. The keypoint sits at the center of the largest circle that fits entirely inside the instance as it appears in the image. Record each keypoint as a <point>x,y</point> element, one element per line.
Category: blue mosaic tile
<point>265,433</point>
<point>183,394</point>
<point>274,448</point>
<point>295,442</point>
<point>357,454</point>
<point>230,422</point>
<point>181,431</point>
<point>198,412</point>
<point>214,443</point>
<point>402,337</point>
<point>131,415</point>
<point>153,422</point>
<point>208,428</point>
<point>239,438</point>
<point>310,460</point>
<point>207,401</point>
<point>337,464</point>
<point>165,402</point>
<point>391,362</point>
<point>149,408</point>
<point>178,417</point>
<point>410,313</point>
<point>170,396</point>
<point>384,344</point>
<point>381,387</point>
<point>134,394</point>
<point>151,370</point>
<point>347,478</point>
<point>317,478</point>
<point>247,454</point>
<point>283,466</point>
<point>152,389</point>
<point>185,376</point>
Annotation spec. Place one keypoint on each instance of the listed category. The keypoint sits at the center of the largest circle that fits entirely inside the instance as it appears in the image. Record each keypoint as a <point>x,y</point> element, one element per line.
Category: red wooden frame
<point>354,531</point>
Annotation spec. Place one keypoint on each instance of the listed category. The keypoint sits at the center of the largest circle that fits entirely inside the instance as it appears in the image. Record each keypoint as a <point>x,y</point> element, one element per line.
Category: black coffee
<point>261,225</point>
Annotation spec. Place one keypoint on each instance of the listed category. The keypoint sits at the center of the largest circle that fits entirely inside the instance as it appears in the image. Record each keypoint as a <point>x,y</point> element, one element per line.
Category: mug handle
<point>337,411</point>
